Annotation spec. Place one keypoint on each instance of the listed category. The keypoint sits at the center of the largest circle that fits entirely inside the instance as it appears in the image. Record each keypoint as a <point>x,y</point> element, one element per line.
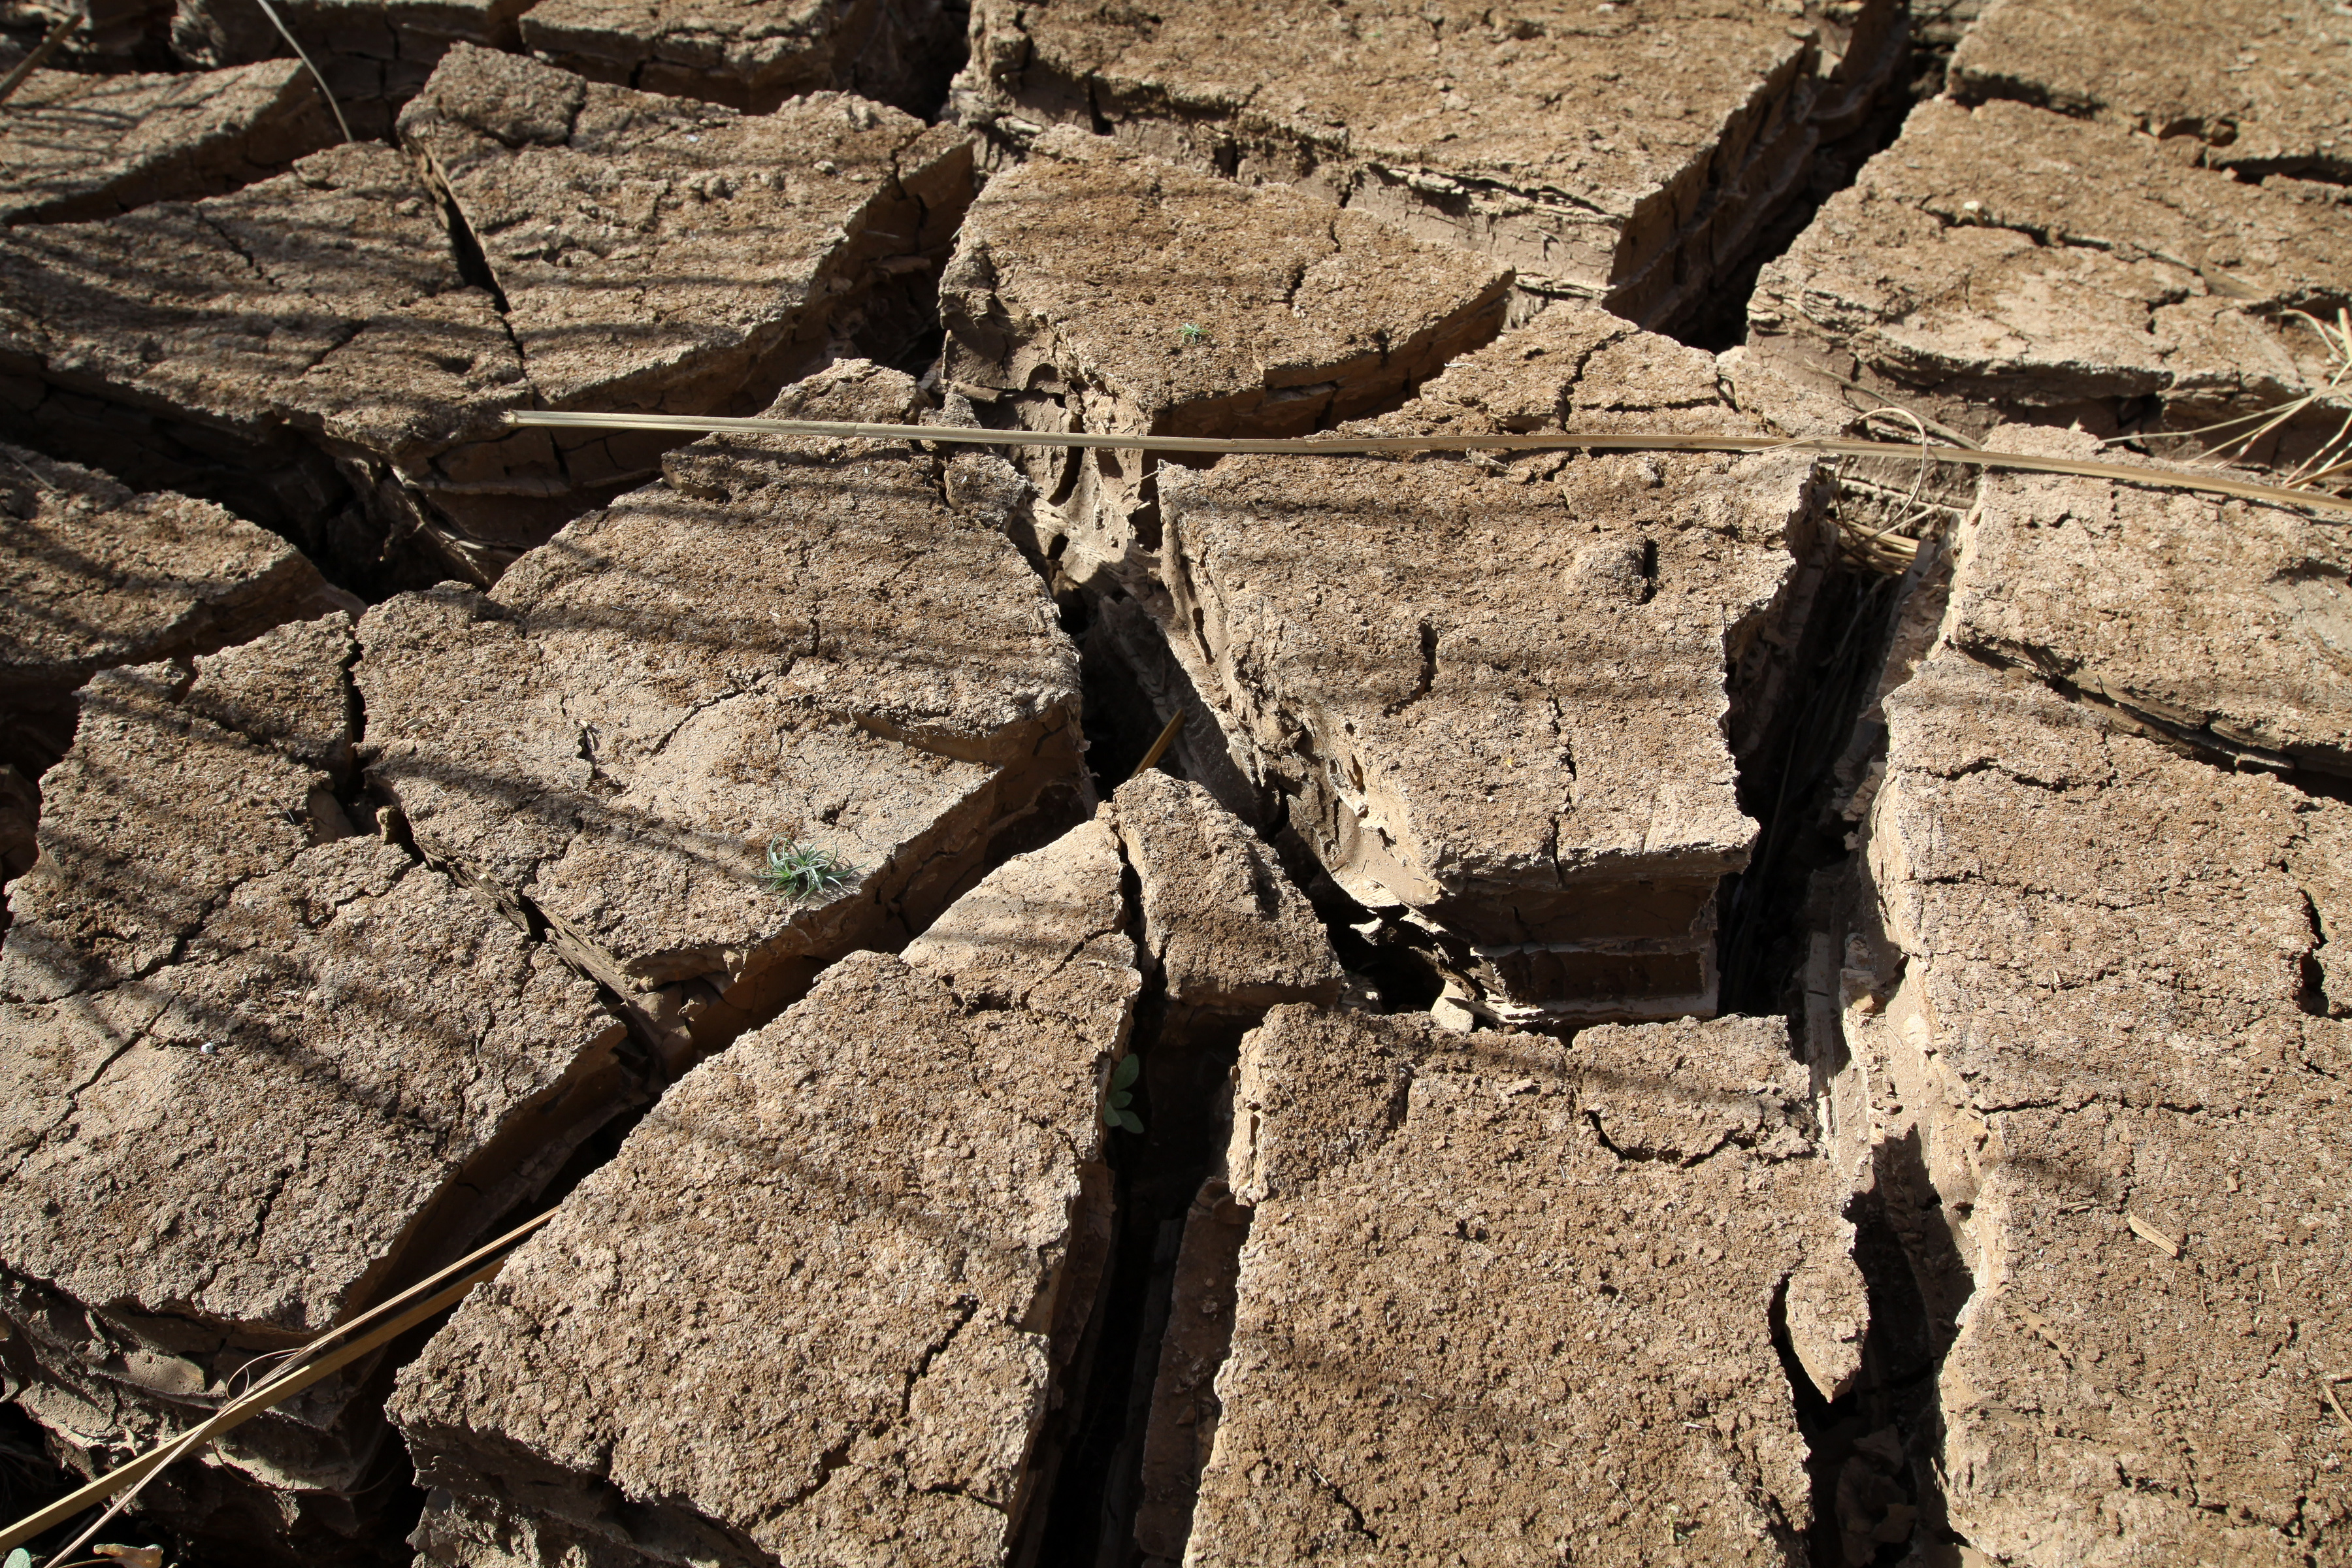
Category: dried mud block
<point>260,1074</point>
<point>302,351</point>
<point>2006,262</point>
<point>1537,766</point>
<point>819,1305</point>
<point>2225,623</point>
<point>75,147</point>
<point>661,255</point>
<point>754,56</point>
<point>1095,289</point>
<point>2108,1095</point>
<point>1629,156</point>
<point>92,576</point>
<point>375,55</point>
<point>1515,1302</point>
<point>2255,88</point>
<point>784,641</point>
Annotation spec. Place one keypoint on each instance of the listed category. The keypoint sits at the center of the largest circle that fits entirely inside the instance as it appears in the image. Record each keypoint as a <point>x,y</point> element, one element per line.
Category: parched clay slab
<point>360,412</point>
<point>302,351</point>
<point>658,254</point>
<point>75,147</point>
<point>2118,1053</point>
<point>1259,312</point>
<point>832,643</point>
<point>1629,156</point>
<point>259,1072</point>
<point>1536,765</point>
<point>375,54</point>
<point>2007,261</point>
<point>2223,622</point>
<point>754,56</point>
<point>1514,1302</point>
<point>92,576</point>
<point>2259,88</point>
<point>892,1203</point>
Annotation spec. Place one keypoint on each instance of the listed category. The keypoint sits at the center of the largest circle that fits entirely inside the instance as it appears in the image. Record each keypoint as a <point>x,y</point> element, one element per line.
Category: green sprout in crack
<point>802,871</point>
<point>1122,1095</point>
<point>1190,336</point>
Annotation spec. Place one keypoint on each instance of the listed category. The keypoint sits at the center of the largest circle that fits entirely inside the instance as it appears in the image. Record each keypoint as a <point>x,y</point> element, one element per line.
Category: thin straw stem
<point>1359,445</point>
<point>40,55</point>
<point>303,55</point>
<point>471,1270</point>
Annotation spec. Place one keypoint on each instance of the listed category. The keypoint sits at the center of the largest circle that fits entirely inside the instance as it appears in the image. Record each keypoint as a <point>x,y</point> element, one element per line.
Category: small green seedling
<point>1190,336</point>
<point>1122,1095</point>
<point>804,871</point>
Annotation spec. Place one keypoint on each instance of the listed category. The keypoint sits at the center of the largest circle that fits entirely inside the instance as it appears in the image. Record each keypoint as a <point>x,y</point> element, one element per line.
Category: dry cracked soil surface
<point>1094,1007</point>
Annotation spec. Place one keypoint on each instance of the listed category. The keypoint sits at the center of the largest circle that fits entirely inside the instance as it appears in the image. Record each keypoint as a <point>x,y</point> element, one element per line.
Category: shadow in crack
<point>1876,1454</point>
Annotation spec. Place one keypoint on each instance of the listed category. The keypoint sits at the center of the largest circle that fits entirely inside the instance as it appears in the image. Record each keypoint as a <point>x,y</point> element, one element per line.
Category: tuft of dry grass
<point>2329,467</point>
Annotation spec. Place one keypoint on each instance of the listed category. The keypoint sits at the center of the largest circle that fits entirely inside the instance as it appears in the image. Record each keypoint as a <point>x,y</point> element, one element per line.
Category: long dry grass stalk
<point>303,55</point>
<point>384,1322</point>
<point>1399,446</point>
<point>40,55</point>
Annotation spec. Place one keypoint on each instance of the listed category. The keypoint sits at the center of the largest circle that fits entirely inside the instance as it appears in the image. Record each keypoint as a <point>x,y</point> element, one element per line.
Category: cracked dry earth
<point>1619,1027</point>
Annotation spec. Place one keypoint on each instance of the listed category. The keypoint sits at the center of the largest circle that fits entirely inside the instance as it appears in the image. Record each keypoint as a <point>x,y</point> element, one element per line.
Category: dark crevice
<point>1183,1096</point>
<point>1792,786</point>
<point>1120,724</point>
<point>2201,745</point>
<point>1815,1418</point>
<point>2311,991</point>
<point>465,250</point>
<point>1720,320</point>
<point>30,1478</point>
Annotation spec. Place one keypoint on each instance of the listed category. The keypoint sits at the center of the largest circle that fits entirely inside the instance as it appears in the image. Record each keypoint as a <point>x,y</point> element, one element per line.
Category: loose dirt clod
<point>1550,794</point>
<point>303,350</point>
<point>2258,89</point>
<point>755,56</point>
<point>375,54</point>
<point>2224,623</point>
<point>897,1188</point>
<point>2119,1013</point>
<point>658,254</point>
<point>2007,262</point>
<point>1217,311</point>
